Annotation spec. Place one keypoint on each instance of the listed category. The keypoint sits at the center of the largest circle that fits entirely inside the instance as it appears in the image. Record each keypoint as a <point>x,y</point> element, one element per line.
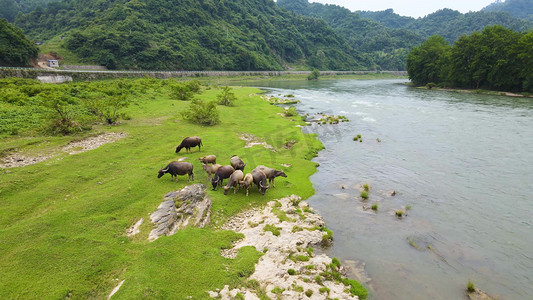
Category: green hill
<point>517,8</point>
<point>16,50</point>
<point>388,47</point>
<point>191,35</point>
<point>448,23</point>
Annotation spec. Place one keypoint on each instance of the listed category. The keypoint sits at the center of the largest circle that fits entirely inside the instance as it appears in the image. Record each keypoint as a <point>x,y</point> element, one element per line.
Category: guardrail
<point>101,74</point>
<point>212,73</point>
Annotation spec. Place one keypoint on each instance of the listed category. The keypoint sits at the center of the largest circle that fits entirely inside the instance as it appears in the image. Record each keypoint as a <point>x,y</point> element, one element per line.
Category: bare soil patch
<point>93,142</point>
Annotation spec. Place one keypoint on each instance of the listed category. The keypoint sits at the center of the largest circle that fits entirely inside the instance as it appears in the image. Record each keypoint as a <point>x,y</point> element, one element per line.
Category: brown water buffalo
<point>210,159</point>
<point>237,163</point>
<point>271,174</point>
<point>233,181</point>
<point>246,182</point>
<point>211,169</point>
<point>190,142</point>
<point>260,180</point>
<point>221,174</point>
<point>176,168</point>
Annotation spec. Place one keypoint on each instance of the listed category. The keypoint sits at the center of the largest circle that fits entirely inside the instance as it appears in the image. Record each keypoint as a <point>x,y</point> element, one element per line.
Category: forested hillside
<point>15,48</point>
<point>10,8</point>
<point>448,23</point>
<point>388,47</point>
<point>387,37</point>
<point>191,35</point>
<point>517,8</point>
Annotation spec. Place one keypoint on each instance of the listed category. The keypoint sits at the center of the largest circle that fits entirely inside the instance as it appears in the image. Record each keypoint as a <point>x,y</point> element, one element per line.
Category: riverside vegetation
<point>63,221</point>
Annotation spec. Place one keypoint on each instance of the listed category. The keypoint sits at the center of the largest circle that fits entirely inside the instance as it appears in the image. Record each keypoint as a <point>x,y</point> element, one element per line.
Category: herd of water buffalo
<point>217,173</point>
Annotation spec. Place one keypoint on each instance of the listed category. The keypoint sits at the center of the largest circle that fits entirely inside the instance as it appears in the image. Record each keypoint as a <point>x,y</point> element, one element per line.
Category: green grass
<point>63,221</point>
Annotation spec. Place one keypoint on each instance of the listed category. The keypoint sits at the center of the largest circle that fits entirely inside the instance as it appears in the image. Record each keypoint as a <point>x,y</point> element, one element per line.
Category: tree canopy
<point>16,50</point>
<point>191,35</point>
<point>496,58</point>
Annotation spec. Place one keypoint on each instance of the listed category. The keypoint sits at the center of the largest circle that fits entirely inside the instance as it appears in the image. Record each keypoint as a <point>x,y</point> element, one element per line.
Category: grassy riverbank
<point>63,221</point>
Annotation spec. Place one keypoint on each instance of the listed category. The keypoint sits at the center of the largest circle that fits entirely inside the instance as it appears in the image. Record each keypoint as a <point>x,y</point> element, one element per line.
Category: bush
<point>108,107</point>
<point>290,112</point>
<point>226,97</point>
<point>62,111</point>
<point>364,195</point>
<point>470,286</point>
<point>201,112</point>
<point>291,271</point>
<point>314,75</point>
<point>181,92</point>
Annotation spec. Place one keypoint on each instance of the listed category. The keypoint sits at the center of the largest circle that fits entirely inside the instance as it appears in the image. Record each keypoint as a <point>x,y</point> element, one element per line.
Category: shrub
<point>201,112</point>
<point>366,187</point>
<point>323,290</point>
<point>328,237</point>
<point>193,85</point>
<point>107,107</point>
<point>226,97</point>
<point>314,75</point>
<point>399,213</point>
<point>309,293</point>
<point>62,112</point>
<point>291,271</point>
<point>364,195</point>
<point>374,207</point>
<point>181,92</point>
<point>470,286</point>
<point>290,112</point>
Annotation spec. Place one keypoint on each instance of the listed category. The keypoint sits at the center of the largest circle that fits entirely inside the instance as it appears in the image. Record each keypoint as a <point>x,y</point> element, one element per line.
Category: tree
<point>314,75</point>
<point>202,113</point>
<point>226,97</point>
<point>428,62</point>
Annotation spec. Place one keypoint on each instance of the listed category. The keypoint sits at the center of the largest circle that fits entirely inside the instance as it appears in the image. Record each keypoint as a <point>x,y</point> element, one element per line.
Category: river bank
<point>63,219</point>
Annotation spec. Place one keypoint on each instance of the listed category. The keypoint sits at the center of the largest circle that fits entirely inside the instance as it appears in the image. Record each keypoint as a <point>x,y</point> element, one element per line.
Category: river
<point>462,169</point>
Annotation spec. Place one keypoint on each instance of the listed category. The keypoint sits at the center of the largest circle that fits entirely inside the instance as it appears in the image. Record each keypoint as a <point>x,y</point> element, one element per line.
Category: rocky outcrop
<point>189,206</point>
<point>285,230</point>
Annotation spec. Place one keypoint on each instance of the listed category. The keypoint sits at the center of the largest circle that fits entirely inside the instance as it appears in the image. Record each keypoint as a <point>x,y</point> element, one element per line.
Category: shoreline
<point>286,230</point>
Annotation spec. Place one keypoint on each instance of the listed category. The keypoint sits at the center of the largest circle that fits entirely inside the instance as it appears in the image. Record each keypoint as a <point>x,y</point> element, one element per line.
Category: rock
<point>284,252</point>
<point>134,229</point>
<point>194,209</point>
<point>392,193</point>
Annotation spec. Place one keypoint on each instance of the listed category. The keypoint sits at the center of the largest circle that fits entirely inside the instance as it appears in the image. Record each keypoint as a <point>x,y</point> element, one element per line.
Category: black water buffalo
<point>233,181</point>
<point>221,174</point>
<point>271,174</point>
<point>237,163</point>
<point>176,168</point>
<point>260,180</point>
<point>190,142</point>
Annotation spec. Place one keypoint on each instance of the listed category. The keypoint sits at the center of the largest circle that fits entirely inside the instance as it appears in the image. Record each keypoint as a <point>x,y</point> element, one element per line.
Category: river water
<point>462,169</point>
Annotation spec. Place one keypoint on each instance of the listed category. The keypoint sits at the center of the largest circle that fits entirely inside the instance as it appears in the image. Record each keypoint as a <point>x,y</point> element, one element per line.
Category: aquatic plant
<point>364,195</point>
<point>470,288</point>
<point>374,207</point>
<point>399,213</point>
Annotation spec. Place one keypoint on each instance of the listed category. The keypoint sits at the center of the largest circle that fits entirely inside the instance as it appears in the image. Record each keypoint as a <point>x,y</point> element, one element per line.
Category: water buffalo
<point>221,174</point>
<point>260,180</point>
<point>211,169</point>
<point>210,159</point>
<point>246,182</point>
<point>271,174</point>
<point>176,168</point>
<point>190,142</point>
<point>237,163</point>
<point>233,181</point>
